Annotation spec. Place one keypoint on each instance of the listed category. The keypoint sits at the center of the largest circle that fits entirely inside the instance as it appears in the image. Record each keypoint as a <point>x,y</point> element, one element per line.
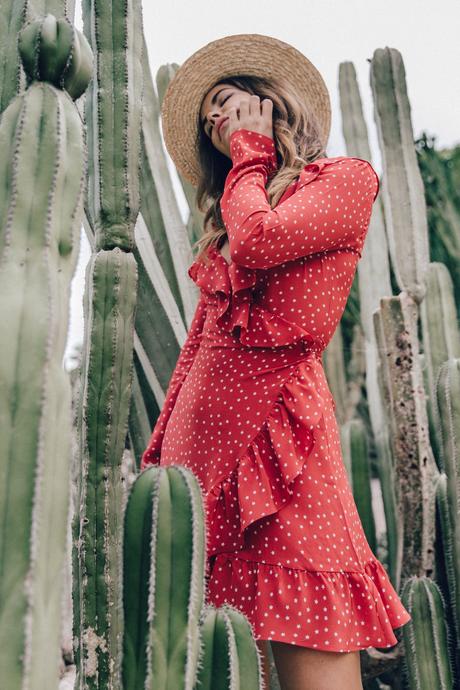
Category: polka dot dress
<point>249,411</point>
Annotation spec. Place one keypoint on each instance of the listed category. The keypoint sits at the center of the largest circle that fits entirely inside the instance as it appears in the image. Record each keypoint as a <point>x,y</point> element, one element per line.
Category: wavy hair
<point>297,142</point>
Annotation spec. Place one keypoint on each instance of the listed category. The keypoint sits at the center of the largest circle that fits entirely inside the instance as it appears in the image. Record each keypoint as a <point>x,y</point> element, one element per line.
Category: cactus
<point>157,625</point>
<point>109,304</point>
<point>357,463</point>
<point>230,659</point>
<point>427,663</point>
<point>41,204</point>
<point>445,572</point>
<point>441,339</point>
<point>398,391</point>
<point>167,297</point>
<point>415,469</point>
<point>403,195</point>
<point>12,77</point>
<point>52,50</point>
<point>374,281</point>
<point>396,321</point>
<point>164,571</point>
<point>447,391</point>
<point>113,116</point>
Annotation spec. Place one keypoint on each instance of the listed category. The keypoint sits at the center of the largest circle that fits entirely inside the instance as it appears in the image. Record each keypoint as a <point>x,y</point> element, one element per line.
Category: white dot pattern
<point>249,411</point>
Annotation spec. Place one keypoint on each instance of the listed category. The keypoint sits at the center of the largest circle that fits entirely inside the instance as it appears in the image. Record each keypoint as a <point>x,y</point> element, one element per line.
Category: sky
<point>328,32</point>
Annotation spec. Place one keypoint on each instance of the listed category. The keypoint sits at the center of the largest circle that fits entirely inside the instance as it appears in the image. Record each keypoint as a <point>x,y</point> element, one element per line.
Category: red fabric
<point>249,410</point>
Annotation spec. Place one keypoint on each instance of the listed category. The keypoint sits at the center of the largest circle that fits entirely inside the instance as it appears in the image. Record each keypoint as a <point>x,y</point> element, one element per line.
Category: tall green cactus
<point>356,460</point>
<point>113,110</point>
<point>427,662</point>
<point>113,116</point>
<point>374,281</point>
<point>446,576</point>
<point>109,305</point>
<point>441,340</point>
<point>42,173</point>
<point>396,320</point>
<point>164,569</point>
<point>230,659</point>
<point>448,392</point>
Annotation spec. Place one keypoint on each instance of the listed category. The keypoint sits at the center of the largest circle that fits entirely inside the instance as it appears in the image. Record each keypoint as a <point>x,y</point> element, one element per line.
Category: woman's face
<point>214,110</point>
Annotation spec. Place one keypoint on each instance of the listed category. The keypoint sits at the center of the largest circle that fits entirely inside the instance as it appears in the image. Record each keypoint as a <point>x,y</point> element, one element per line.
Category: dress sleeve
<point>151,455</point>
<point>331,212</point>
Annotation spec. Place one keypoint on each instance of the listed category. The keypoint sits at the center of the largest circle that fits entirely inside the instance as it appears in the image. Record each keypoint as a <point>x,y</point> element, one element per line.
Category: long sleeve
<point>184,362</point>
<point>330,212</point>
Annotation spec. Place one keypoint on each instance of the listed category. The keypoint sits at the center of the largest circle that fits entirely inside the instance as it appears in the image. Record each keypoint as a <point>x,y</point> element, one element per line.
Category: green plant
<point>42,174</point>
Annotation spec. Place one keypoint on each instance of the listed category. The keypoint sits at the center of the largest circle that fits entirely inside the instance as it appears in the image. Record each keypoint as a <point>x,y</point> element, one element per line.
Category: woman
<point>248,408</point>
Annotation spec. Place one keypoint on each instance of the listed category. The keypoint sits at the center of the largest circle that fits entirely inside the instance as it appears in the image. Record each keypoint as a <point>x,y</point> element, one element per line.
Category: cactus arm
<point>11,20</point>
<point>187,355</point>
<point>441,340</point>
<point>109,305</point>
<point>403,193</point>
<point>113,111</point>
<point>186,542</point>
<point>361,479</point>
<point>113,107</point>
<point>53,51</point>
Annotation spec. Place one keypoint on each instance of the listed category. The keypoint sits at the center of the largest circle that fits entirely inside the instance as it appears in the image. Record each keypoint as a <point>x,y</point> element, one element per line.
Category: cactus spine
<point>42,173</point>
<point>113,117</point>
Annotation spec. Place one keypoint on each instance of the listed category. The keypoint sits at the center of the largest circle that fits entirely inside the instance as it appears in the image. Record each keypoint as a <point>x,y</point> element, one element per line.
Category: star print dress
<point>249,411</point>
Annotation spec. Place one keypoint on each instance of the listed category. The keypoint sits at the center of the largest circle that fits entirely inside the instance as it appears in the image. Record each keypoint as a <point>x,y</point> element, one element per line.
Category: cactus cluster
<point>138,559</point>
<point>171,638</point>
<point>412,355</point>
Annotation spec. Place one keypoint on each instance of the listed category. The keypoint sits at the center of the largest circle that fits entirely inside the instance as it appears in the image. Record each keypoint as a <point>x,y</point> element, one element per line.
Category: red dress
<point>249,411</point>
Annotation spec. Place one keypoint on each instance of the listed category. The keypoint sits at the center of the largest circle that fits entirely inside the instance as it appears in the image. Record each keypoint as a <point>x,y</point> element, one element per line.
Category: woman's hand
<point>253,115</point>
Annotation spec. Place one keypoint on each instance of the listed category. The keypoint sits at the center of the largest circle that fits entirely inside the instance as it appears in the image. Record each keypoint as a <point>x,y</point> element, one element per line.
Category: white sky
<point>328,32</point>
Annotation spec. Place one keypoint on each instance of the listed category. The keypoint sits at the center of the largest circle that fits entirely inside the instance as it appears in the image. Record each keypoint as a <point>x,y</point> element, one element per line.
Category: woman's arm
<point>331,212</point>
<point>187,354</point>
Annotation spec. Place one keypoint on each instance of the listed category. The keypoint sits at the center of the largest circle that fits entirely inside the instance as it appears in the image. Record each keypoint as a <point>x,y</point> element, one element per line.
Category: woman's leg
<point>303,668</point>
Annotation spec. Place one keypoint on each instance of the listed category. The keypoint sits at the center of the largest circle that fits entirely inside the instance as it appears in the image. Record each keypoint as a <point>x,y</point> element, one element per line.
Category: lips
<point>221,125</point>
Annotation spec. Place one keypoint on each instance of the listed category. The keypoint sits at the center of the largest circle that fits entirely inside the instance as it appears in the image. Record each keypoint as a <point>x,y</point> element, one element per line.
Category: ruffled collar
<point>233,290</point>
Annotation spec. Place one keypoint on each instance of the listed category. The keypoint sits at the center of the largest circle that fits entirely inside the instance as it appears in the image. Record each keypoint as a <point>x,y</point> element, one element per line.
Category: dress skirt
<point>285,544</point>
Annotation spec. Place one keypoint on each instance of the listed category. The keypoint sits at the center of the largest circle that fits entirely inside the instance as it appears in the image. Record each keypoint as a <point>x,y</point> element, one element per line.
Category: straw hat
<point>239,54</point>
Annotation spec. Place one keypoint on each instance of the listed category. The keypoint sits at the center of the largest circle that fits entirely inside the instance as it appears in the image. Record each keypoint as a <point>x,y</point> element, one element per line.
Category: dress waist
<point>256,328</point>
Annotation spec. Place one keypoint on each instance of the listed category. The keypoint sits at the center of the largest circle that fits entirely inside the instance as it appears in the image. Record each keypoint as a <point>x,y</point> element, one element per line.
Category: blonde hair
<point>297,142</point>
